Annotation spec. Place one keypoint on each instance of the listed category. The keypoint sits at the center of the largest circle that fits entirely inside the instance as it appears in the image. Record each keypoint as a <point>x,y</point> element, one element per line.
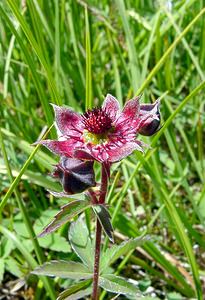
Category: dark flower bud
<point>75,175</point>
<point>150,116</point>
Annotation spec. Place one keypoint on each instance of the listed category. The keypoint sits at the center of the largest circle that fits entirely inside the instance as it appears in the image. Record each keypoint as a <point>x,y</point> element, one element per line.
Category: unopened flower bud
<point>75,175</point>
<point>151,115</point>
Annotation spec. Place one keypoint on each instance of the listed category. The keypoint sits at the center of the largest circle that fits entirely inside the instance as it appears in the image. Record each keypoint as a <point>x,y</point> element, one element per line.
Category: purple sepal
<point>150,118</point>
<point>75,175</point>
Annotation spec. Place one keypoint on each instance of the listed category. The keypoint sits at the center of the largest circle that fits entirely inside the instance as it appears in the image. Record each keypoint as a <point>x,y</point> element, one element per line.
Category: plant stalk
<point>102,197</point>
<point>97,260</point>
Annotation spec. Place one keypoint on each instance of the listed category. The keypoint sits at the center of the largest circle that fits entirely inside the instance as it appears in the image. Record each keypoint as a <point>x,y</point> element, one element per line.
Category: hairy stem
<point>104,183</point>
<point>97,260</point>
<point>102,197</point>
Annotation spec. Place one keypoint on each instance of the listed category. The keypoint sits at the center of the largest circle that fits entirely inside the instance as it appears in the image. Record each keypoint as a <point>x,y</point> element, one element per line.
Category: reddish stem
<point>97,260</point>
<point>92,195</point>
<point>104,184</point>
<point>103,191</point>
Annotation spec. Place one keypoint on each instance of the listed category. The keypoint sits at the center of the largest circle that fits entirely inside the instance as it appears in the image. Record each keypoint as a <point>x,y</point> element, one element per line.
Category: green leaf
<point>2,267</point>
<point>118,285</point>
<point>6,247</point>
<point>66,213</point>
<point>148,298</point>
<point>104,217</point>
<point>79,294</point>
<point>55,242</point>
<point>13,267</point>
<point>19,245</point>
<point>72,290</point>
<point>63,269</point>
<point>62,195</point>
<point>174,296</point>
<point>113,253</point>
<point>144,284</point>
<point>81,243</point>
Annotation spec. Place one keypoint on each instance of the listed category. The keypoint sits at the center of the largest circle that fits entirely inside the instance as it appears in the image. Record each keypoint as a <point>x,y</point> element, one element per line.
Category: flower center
<point>97,121</point>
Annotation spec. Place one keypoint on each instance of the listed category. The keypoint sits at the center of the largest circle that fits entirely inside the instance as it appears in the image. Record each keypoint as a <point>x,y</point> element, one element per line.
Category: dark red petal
<point>111,106</point>
<point>97,153</point>
<point>83,155</point>
<point>67,120</point>
<point>131,108</point>
<point>64,148</point>
<point>118,154</point>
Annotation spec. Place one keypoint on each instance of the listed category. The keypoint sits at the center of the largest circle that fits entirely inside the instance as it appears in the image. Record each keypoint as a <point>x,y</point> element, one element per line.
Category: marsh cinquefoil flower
<point>104,134</point>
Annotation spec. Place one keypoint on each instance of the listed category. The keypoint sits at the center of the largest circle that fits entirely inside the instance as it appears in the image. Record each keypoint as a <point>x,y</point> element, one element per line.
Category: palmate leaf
<point>105,220</point>
<point>81,242</point>
<point>113,253</point>
<point>55,242</point>
<point>63,269</point>
<point>118,285</point>
<point>66,213</point>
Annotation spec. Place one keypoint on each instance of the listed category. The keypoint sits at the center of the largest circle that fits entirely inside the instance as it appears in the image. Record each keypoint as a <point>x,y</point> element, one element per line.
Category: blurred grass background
<point>73,53</point>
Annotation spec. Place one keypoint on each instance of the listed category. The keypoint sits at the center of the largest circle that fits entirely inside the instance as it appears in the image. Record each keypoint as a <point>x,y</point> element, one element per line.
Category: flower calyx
<point>75,175</point>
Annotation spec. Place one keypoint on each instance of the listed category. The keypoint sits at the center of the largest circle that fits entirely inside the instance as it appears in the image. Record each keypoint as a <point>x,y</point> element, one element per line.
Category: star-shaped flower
<point>104,134</point>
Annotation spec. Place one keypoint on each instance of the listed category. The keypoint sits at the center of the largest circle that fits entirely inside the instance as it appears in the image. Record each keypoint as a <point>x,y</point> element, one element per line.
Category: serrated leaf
<point>118,285</point>
<point>66,213</point>
<point>81,243</point>
<point>20,228</point>
<point>72,290</point>
<point>63,269</point>
<point>55,242</point>
<point>105,220</point>
<point>113,253</point>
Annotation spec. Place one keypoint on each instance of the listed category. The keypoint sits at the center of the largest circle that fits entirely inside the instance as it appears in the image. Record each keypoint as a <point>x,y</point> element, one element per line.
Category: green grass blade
<point>88,96</point>
<point>28,57</point>
<point>133,58</point>
<point>34,44</point>
<point>18,178</point>
<point>167,53</point>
